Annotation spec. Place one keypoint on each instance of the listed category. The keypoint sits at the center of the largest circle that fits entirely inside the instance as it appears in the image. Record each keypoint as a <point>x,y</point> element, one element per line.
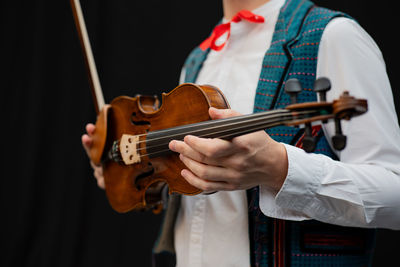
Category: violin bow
<point>94,80</point>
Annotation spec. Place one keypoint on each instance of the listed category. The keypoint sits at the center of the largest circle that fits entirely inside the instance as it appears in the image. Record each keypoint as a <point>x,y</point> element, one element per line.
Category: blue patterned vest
<point>293,54</point>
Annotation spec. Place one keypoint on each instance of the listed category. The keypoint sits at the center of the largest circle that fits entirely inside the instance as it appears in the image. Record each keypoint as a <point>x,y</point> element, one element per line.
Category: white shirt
<point>363,189</point>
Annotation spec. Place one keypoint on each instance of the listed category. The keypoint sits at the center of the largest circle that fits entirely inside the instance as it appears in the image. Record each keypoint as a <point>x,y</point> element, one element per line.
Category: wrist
<point>277,168</point>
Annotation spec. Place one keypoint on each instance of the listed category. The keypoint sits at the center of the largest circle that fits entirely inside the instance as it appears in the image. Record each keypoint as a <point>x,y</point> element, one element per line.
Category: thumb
<point>216,114</point>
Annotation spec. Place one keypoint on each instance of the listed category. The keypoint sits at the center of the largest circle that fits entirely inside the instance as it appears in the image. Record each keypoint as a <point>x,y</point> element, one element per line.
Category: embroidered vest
<point>292,54</point>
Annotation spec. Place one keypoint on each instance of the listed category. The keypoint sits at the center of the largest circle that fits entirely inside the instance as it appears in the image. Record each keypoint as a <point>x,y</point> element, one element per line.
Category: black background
<point>52,212</point>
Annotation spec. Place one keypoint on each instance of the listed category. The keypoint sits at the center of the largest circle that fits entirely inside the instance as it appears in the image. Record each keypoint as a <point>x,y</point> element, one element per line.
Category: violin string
<point>252,120</point>
<point>215,130</point>
<point>170,137</point>
<point>223,136</point>
<point>233,119</point>
<point>266,124</point>
<point>247,130</point>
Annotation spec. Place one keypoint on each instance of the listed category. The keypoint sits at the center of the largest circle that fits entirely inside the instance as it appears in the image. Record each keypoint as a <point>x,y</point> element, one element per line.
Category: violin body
<point>132,136</point>
<point>138,186</point>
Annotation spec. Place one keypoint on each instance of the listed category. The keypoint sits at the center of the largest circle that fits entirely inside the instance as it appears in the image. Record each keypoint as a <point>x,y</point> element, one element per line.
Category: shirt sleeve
<point>363,188</point>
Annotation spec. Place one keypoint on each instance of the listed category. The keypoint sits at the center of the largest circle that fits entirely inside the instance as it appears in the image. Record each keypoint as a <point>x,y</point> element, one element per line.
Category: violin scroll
<point>345,107</point>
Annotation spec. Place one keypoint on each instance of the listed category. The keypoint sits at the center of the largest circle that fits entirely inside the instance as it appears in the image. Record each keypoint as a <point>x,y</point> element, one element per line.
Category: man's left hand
<point>242,163</point>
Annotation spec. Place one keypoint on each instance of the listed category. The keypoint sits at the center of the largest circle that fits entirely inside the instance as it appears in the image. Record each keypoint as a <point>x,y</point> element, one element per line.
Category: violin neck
<point>157,141</point>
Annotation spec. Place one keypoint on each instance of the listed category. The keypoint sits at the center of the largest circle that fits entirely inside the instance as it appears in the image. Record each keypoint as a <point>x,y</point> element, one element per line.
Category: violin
<point>132,133</point>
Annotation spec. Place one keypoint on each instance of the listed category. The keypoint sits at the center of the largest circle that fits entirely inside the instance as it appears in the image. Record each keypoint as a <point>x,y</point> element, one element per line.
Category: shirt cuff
<point>299,188</point>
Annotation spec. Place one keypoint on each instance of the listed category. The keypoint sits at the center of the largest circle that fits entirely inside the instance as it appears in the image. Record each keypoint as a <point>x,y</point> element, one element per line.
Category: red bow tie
<point>221,29</point>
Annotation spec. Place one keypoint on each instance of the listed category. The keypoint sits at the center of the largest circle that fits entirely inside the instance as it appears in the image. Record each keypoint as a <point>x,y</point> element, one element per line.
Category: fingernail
<point>216,111</point>
<point>183,172</point>
<point>188,138</point>
<point>172,145</point>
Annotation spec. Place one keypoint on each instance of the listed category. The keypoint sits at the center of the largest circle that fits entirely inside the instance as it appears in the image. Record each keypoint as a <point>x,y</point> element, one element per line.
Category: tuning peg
<point>309,143</point>
<point>321,86</point>
<point>339,139</point>
<point>292,88</point>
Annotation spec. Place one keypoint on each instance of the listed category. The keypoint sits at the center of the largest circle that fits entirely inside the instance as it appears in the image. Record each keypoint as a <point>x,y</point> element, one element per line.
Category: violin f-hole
<point>135,121</point>
<point>146,172</point>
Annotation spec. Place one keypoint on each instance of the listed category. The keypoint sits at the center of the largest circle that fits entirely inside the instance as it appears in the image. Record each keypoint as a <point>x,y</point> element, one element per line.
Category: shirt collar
<point>266,9</point>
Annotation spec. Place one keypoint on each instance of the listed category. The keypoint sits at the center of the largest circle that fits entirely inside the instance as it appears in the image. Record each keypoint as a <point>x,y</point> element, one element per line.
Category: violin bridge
<point>128,149</point>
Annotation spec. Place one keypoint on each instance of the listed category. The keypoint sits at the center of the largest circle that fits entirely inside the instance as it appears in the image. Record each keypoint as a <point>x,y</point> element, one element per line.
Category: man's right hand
<point>87,142</point>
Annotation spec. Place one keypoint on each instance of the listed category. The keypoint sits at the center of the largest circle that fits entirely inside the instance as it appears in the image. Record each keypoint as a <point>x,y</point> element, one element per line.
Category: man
<point>250,59</point>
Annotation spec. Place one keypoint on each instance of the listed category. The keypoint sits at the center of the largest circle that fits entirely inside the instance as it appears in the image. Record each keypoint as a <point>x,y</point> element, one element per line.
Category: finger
<point>86,143</point>
<point>184,149</point>
<point>95,166</point>
<point>101,183</point>
<point>87,140</point>
<point>208,172</point>
<point>216,114</point>
<point>208,186</point>
<point>212,148</point>
<point>90,128</point>
<point>98,174</point>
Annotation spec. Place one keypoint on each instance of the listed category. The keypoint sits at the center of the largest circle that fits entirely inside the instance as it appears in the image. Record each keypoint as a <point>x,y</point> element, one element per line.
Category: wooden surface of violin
<point>138,185</point>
